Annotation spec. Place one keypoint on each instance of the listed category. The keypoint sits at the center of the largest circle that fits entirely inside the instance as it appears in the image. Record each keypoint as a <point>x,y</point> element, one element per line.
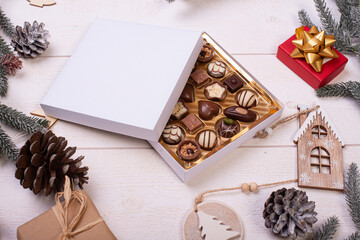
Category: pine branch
<point>6,24</point>
<point>7,147</point>
<point>305,19</point>
<point>20,121</point>
<point>4,47</point>
<point>352,193</point>
<point>354,236</point>
<point>326,17</point>
<point>3,82</point>
<point>344,89</point>
<point>327,230</point>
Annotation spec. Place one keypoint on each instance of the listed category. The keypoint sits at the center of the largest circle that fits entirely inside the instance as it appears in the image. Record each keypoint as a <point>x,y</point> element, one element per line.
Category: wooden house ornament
<point>319,152</point>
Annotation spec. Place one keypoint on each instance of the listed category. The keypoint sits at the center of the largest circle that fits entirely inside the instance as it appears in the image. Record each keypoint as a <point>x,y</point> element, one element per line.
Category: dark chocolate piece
<point>188,94</point>
<point>233,83</point>
<point>188,150</point>
<point>216,69</point>
<point>247,98</point>
<point>199,77</point>
<point>180,110</point>
<point>215,91</point>
<point>241,114</point>
<point>207,139</point>
<point>172,134</point>
<point>206,54</point>
<point>192,123</point>
<point>228,128</point>
<point>208,110</point>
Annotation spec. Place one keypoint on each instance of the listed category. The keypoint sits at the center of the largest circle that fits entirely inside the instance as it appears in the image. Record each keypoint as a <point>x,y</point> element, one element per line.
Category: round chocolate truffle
<point>216,69</point>
<point>247,98</point>
<point>206,54</point>
<point>228,128</point>
<point>207,139</point>
<point>172,134</point>
<point>188,150</point>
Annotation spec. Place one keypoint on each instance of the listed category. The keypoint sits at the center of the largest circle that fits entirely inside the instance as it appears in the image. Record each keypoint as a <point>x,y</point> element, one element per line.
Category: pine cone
<point>11,63</point>
<point>30,41</point>
<point>289,213</point>
<point>43,163</point>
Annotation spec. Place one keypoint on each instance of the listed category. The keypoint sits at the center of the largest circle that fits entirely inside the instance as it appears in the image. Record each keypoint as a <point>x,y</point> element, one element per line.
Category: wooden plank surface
<point>135,191</point>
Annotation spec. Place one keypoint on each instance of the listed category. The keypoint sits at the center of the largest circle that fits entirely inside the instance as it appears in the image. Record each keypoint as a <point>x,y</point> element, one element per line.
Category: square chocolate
<point>233,83</point>
<point>199,77</point>
<point>192,123</point>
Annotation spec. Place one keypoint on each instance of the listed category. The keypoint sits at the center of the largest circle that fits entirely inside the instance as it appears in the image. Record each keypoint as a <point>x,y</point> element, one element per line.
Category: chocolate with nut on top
<point>188,150</point>
<point>241,114</point>
<point>206,54</point>
<point>228,128</point>
<point>233,83</point>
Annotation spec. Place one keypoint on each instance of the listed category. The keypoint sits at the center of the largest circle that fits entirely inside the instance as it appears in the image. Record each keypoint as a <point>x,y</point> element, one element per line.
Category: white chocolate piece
<point>207,139</point>
<point>215,91</point>
<point>247,99</point>
<point>172,134</point>
<point>180,110</point>
<point>216,69</point>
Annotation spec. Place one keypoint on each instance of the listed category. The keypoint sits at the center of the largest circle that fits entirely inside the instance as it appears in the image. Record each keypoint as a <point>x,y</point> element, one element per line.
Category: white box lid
<point>124,78</point>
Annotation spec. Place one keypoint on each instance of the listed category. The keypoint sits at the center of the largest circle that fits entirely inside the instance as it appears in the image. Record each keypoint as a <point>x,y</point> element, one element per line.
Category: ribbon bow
<point>61,212</point>
<point>314,46</point>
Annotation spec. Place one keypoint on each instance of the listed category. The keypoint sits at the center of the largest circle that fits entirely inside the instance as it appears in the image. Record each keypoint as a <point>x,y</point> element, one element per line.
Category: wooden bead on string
<point>253,187</point>
<point>245,187</point>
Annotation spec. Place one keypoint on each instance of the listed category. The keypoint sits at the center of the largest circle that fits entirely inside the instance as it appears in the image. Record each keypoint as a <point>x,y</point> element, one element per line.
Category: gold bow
<point>61,212</point>
<point>314,46</point>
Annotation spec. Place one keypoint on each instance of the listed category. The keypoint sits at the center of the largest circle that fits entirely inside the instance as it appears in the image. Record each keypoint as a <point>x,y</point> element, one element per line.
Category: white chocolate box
<point>153,64</point>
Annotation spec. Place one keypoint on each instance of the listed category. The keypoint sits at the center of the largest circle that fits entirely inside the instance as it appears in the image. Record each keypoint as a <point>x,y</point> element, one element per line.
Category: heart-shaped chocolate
<point>208,110</point>
<point>188,94</point>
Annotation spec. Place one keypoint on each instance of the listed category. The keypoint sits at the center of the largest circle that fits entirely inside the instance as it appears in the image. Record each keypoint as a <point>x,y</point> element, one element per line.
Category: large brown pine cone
<point>289,213</point>
<point>31,40</point>
<point>43,163</point>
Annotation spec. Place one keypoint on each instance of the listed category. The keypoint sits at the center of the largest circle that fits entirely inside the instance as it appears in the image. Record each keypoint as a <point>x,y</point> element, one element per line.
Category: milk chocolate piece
<point>241,114</point>
<point>215,91</point>
<point>188,94</point>
<point>208,110</point>
<point>188,150</point>
<point>199,77</point>
<point>247,98</point>
<point>180,110</point>
<point>206,54</point>
<point>216,69</point>
<point>228,128</point>
<point>172,134</point>
<point>233,83</point>
<point>207,139</point>
<point>192,123</point>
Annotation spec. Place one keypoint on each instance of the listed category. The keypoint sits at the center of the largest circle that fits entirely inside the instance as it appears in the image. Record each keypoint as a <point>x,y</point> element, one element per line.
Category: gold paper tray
<point>267,106</point>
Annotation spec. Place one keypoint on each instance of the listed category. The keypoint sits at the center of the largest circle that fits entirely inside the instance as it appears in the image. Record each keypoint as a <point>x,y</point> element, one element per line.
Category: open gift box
<point>126,78</point>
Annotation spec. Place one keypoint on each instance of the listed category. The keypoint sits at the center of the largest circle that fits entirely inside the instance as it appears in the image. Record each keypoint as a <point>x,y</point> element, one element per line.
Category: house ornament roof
<point>309,120</point>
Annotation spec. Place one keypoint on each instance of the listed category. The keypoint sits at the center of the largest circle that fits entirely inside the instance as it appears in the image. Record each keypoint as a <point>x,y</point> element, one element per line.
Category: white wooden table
<point>135,191</point>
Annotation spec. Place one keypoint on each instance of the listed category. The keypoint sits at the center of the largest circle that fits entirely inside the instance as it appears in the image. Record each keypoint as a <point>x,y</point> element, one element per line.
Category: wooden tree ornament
<point>319,145</point>
<point>41,3</point>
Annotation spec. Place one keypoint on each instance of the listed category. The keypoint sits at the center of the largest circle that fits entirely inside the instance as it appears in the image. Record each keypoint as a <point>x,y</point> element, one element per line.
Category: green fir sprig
<point>352,193</point>
<point>354,236</point>
<point>7,147</point>
<point>3,82</point>
<point>20,121</point>
<point>346,31</point>
<point>344,89</point>
<point>6,24</point>
<point>327,230</point>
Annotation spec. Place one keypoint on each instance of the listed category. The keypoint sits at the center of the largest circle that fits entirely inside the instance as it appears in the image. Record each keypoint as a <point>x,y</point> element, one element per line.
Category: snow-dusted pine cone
<point>30,41</point>
<point>43,163</point>
<point>289,213</point>
<point>11,63</point>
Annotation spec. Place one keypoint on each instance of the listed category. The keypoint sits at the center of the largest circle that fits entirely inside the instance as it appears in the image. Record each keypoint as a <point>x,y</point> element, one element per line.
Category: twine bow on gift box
<point>61,211</point>
<point>314,46</point>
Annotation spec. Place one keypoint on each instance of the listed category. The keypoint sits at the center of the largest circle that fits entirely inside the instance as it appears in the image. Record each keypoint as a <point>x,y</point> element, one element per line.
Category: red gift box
<point>315,79</point>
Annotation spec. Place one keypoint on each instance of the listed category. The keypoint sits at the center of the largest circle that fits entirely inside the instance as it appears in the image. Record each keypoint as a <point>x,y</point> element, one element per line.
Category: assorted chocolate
<point>215,91</point>
<point>215,105</point>
<point>180,110</point>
